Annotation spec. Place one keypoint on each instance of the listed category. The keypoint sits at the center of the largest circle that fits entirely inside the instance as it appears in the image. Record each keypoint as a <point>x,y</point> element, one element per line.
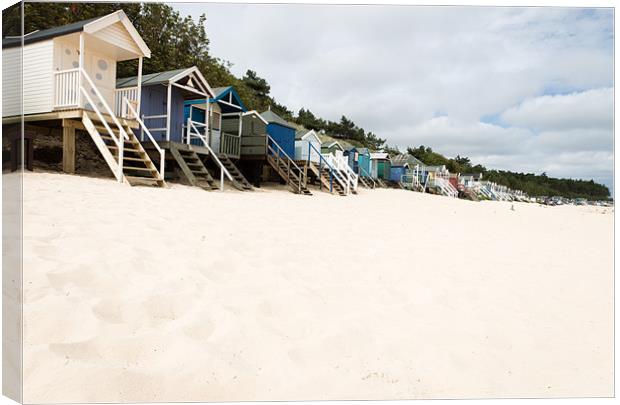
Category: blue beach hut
<point>281,132</point>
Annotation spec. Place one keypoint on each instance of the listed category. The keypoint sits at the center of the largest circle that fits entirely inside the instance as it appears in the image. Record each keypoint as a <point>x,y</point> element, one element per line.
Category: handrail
<point>120,143</point>
<point>332,171</point>
<point>289,162</point>
<point>162,152</point>
<point>223,170</point>
<point>104,103</point>
<point>352,178</point>
<point>374,183</point>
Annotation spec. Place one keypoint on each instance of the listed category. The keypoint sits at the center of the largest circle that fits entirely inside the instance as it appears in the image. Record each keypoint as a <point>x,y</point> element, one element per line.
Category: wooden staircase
<point>325,177</point>
<point>365,182</point>
<point>138,168</point>
<point>286,168</point>
<point>193,168</point>
<point>239,182</point>
<point>381,183</point>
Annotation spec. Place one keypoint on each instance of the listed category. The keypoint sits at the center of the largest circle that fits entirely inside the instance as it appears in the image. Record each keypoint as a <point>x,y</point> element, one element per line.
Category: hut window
<point>215,120</point>
<point>102,64</point>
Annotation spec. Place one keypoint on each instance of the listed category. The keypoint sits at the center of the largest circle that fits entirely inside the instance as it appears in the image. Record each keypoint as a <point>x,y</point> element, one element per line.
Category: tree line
<point>178,42</point>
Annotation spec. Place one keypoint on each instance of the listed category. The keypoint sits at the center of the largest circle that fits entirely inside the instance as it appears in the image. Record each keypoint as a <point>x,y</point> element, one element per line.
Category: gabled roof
<point>222,92</point>
<point>332,144</point>
<point>168,77</point>
<point>305,134</point>
<point>380,156</point>
<point>274,118</point>
<point>256,114</point>
<point>90,26</point>
<point>405,158</point>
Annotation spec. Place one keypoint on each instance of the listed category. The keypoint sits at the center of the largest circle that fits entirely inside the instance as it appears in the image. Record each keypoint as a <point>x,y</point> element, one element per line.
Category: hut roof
<point>150,79</point>
<point>405,158</point>
<point>192,77</point>
<point>91,25</point>
<point>380,156</point>
<point>274,118</point>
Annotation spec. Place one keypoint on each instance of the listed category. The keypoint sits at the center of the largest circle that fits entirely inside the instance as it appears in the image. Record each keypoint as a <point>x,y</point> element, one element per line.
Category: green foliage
<point>532,184</point>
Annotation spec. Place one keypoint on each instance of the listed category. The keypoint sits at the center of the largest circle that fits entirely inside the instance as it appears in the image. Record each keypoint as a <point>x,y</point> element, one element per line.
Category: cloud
<point>588,109</point>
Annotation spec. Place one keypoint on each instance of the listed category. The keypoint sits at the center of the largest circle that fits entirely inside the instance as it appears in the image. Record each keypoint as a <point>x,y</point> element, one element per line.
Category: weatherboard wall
<point>283,136</point>
<point>155,102</point>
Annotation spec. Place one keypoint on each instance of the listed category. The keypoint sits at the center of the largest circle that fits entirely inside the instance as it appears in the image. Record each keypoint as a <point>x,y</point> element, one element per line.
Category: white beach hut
<point>66,77</point>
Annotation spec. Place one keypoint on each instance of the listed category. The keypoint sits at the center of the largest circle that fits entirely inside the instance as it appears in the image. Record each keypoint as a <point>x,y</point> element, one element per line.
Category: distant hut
<point>359,160</point>
<point>332,147</point>
<point>307,146</point>
<point>380,165</point>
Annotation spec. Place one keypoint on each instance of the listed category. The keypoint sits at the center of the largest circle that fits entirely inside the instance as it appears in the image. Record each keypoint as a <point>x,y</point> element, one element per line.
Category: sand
<point>141,294</point>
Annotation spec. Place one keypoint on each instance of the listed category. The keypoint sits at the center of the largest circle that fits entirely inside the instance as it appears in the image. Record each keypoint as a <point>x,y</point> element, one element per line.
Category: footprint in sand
<point>108,311</point>
<point>85,351</point>
<point>60,281</point>
<point>200,331</point>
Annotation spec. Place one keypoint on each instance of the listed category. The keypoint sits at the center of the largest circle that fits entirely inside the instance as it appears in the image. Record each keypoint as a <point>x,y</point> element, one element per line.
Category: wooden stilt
<point>68,147</point>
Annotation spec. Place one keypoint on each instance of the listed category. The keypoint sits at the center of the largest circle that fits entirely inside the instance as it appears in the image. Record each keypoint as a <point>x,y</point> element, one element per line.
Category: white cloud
<point>588,109</point>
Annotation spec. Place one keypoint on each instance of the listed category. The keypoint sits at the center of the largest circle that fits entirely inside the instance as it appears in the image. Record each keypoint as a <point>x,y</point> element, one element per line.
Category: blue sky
<point>525,89</point>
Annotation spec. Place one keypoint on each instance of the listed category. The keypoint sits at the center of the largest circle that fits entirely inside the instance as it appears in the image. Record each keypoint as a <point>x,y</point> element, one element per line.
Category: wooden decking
<point>76,114</point>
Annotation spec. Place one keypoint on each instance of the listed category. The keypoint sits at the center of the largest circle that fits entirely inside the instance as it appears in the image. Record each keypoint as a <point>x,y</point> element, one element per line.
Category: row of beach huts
<point>173,125</point>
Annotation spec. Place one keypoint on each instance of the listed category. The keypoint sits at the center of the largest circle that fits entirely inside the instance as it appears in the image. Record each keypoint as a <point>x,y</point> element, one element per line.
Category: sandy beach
<point>143,294</point>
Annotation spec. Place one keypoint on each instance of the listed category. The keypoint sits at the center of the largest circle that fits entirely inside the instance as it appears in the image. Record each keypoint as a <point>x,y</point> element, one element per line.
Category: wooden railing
<point>230,145</point>
<point>67,88</point>
<point>333,173</point>
<point>275,151</point>
<point>192,131</point>
<point>134,115</point>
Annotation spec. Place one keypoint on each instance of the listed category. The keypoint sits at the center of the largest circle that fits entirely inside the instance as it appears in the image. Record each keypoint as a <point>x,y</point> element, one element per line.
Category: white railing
<point>67,88</point>
<point>223,171</point>
<point>341,164</point>
<point>120,142</point>
<point>196,134</point>
<point>162,153</point>
<point>120,106</point>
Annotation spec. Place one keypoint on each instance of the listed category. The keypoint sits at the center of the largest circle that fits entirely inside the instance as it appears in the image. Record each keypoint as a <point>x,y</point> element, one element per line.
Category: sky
<point>522,89</point>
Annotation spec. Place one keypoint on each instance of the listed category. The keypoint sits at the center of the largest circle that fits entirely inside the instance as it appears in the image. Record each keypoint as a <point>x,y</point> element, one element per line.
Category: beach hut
<point>281,132</point>
<point>224,104</point>
<point>332,148</point>
<point>380,165</point>
<point>69,83</point>
<point>407,170</point>
<point>184,135</point>
<point>307,146</point>
<point>359,160</point>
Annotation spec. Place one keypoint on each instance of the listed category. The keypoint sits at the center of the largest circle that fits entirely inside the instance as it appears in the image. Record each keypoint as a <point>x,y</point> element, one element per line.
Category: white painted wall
<point>11,87</point>
<point>117,35</point>
<point>37,79</point>
<point>302,150</point>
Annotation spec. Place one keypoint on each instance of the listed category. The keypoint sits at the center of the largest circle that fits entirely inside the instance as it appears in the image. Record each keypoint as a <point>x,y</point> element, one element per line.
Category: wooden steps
<point>138,168</point>
<point>193,168</point>
<point>239,180</point>
<point>365,182</point>
<point>292,179</point>
<point>327,181</point>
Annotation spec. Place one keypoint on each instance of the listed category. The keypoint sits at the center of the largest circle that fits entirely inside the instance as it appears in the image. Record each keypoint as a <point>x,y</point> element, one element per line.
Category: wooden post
<point>68,147</point>
<point>169,107</point>
<point>139,85</point>
<point>82,67</point>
